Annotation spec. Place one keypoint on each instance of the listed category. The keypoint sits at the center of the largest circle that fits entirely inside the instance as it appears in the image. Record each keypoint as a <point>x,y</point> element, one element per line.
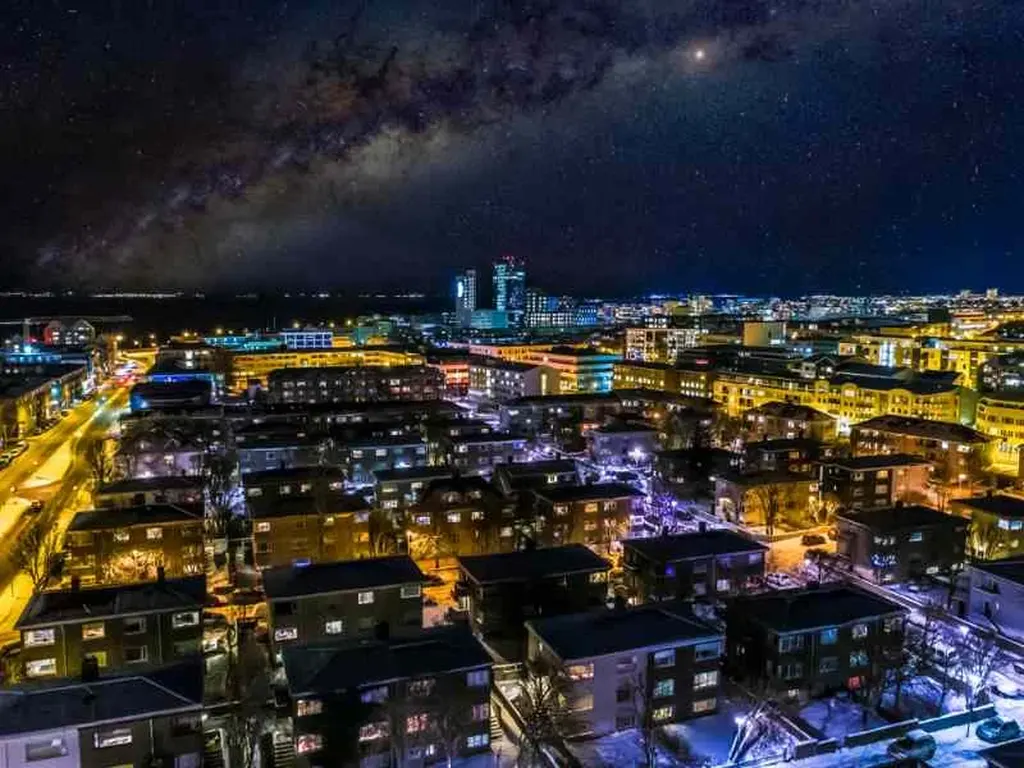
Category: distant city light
<point>699,54</point>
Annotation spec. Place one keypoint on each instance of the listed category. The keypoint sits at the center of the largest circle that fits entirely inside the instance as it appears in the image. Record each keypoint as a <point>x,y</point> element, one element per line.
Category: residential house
<point>766,498</point>
<point>997,522</point>
<point>787,421</point>
<point>398,490</point>
<point>363,456</point>
<point>996,594</point>
<point>116,627</point>
<point>129,543</point>
<point>462,516</point>
<point>411,701</point>
<point>711,564</point>
<point>905,542</point>
<point>480,454</point>
<point>268,452</point>
<point>621,443</point>
<point>345,599</point>
<point>794,455</point>
<point>518,479</point>
<point>355,383</point>
<point>875,482</point>
<point>597,515</point>
<point>499,381</point>
<point>653,664</point>
<point>138,491</point>
<point>800,644</point>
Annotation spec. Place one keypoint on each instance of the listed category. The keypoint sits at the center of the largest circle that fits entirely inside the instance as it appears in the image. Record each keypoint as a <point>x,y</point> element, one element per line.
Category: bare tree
<point>34,552</point>
<point>544,703</point>
<point>930,644</point>
<point>769,498</point>
<point>986,540</point>
<point>217,477</point>
<point>252,714</point>
<point>100,461</point>
<point>636,690</point>
<point>979,655</point>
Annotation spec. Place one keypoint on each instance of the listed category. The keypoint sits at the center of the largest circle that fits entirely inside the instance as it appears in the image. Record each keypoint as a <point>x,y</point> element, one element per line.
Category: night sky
<point>617,145</point>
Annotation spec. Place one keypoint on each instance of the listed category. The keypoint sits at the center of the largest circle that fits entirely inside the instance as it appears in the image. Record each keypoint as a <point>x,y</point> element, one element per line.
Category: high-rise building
<point>465,291</point>
<point>509,285</point>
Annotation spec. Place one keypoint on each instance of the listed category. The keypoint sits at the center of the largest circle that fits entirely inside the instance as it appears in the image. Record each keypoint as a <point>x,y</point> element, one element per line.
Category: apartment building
<point>875,482</point>
<point>579,370</point>
<point>363,456</point>
<point>346,599</point>
<point>358,384</point>
<point>797,456</point>
<point>786,421</point>
<point>306,528</point>
<point>480,454</point>
<point>129,544</point>
<point>958,453</point>
<point>412,701</point>
<point>494,380</point>
<point>659,345</point>
<point>996,524</point>
<point>462,516</point>
<point>708,564</point>
<point>995,594</point>
<point>597,515</point>
<point>622,443</point>
<point>1000,417</point>
<point>398,490</point>
<point>757,498</point>
<point>517,480</point>
<point>253,368</point>
<point>142,491</point>
<point>117,628</point>
<point>798,644</point>
<point>902,543</point>
<point>543,415</point>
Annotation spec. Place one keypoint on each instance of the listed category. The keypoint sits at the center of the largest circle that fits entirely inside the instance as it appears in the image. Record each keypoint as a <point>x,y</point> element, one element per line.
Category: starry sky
<point>618,146</point>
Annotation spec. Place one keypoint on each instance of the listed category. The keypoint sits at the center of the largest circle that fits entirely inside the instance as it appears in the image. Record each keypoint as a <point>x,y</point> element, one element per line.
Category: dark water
<point>167,316</point>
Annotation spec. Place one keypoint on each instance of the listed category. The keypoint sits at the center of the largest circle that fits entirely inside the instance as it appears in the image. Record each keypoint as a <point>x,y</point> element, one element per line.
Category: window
<point>285,633</point>
<point>334,627</point>
<point>580,671</point>
<point>41,667</point>
<point>366,598</point>
<point>100,657</point>
<point>664,688</point>
<point>704,705</point>
<point>477,514</point>
<point>478,741</point>
<point>375,695</point>
<point>791,671</point>
<point>481,712</point>
<point>417,723</point>
<point>136,654</point>
<point>116,737</point>
<point>790,643</point>
<point>583,703</point>
<point>154,534</point>
<point>661,714</point>
<point>187,619</point>
<point>411,590</point>
<point>308,742</point>
<point>253,492</point>
<point>134,626</point>
<point>263,527</point>
<point>707,651</point>
<point>45,750</point>
<point>454,517</point>
<point>374,731</point>
<point>121,536</point>
<point>860,631</point>
<point>829,664</point>
<point>859,659</point>
<point>754,558</point>
<point>561,510</point>
<point>478,678</point>
<point>916,536</point>
<point>892,624</point>
<point>723,585</point>
<point>36,637</point>
<point>705,680</point>
<point>829,636</point>
<point>665,658</point>
<point>422,687</point>
<point>356,453</point>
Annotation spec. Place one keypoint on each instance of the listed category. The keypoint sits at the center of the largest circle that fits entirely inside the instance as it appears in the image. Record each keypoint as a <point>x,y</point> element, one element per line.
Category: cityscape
<point>522,529</point>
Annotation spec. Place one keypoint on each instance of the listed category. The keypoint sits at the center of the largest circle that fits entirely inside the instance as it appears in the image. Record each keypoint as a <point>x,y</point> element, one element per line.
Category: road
<point>54,470</point>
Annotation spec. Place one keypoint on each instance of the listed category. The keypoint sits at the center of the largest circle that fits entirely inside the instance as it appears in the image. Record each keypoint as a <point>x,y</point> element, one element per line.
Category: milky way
<point>296,144</point>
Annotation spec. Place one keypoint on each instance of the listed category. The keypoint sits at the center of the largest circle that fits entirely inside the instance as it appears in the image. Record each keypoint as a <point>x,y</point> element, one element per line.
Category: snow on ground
<point>838,716</point>
<point>919,698</point>
<point>711,736</point>
<point>618,749</point>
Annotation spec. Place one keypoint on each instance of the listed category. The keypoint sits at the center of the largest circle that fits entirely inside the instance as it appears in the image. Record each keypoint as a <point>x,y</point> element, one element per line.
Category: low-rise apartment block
<point>597,515</point>
<point>875,482</point>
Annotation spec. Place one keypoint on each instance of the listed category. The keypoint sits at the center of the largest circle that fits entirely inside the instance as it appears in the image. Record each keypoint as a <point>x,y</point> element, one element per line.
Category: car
<point>833,533</point>
<point>813,540</point>
<point>4,461</point>
<point>997,729</point>
<point>35,507</point>
<point>915,745</point>
<point>915,586</point>
<point>1018,667</point>
<point>815,555</point>
<point>1007,689</point>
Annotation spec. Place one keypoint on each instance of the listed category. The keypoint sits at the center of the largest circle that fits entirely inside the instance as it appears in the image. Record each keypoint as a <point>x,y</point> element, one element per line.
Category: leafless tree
<point>100,461</point>
<point>986,540</point>
<point>636,690</point>
<point>544,703</point>
<point>252,714</point>
<point>769,498</point>
<point>217,477</point>
<point>979,655</point>
<point>930,643</point>
<point>33,553</point>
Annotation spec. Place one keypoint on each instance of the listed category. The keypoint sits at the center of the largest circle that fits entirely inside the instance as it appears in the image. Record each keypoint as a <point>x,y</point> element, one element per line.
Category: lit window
<point>116,737</point>
<point>365,598</point>
<point>707,651</point>
<point>417,723</point>
<point>664,688</point>
<point>308,742</point>
<point>121,536</point>
<point>411,590</point>
<point>286,633</point>
<point>860,631</point>
<point>187,619</point>
<point>422,687</point>
<point>154,534</point>
<point>478,678</point>
<point>375,695</point>
<point>704,705</point>
<point>94,631</point>
<point>374,731</point>
<point>262,527</point>
<point>454,517</point>
<point>665,658</point>
<point>334,627</point>
<point>789,643</point>
<point>723,585</point>
<point>35,637</point>
<point>41,667</point>
<point>478,741</point>
<point>481,712</point>
<point>916,536</point>
<point>829,636</point>
<point>580,671</point>
<point>705,680</point>
<point>859,659</point>
<point>661,714</point>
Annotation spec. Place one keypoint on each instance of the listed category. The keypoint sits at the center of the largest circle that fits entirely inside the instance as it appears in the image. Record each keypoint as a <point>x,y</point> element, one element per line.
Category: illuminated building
<point>659,345</point>
<point>355,384</point>
<point>1003,374</point>
<point>761,333</point>
<point>498,381</point>
<point>1000,416</point>
<point>77,334</point>
<point>307,338</point>
<point>874,482</point>
<point>455,370</point>
<point>509,285</point>
<point>543,311</point>
<point>460,516</point>
<point>747,498</point>
<point>958,453</point>
<point>620,443</point>
<point>481,453</point>
<point>514,352</point>
<point>255,367</point>
<point>465,293</point>
<point>544,414</point>
<point>997,524</point>
<point>779,420</point>
<point>597,515</point>
<point>580,370</point>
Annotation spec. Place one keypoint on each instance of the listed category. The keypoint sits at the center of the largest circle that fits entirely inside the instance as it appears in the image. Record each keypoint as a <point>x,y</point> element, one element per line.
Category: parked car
<point>997,729</point>
<point>813,540</point>
<point>833,533</point>
<point>4,461</point>
<point>1007,689</point>
<point>916,745</point>
<point>35,507</point>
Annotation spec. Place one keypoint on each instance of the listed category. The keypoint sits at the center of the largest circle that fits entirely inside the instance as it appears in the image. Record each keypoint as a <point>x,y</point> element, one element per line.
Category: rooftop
<point>883,461</point>
<point>1011,568</point>
<point>292,473</point>
<point>599,633</point>
<point>899,518</point>
<point>1001,505</point>
<point>594,492</point>
<point>346,576</point>
<point>781,410</point>
<point>532,564</point>
<point>492,437</point>
<point>326,667</point>
<point>144,484</point>
<point>788,444</point>
<point>86,603</point>
<point>685,546</point>
<point>936,430</point>
<point>412,473</point>
<point>125,698</point>
<point>801,610</point>
<point>624,427</point>
<point>125,517</point>
<point>306,504</point>
<point>532,468</point>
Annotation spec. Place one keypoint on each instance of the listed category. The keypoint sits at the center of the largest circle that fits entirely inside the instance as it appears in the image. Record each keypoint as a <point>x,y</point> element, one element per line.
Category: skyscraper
<point>465,291</point>
<point>509,285</point>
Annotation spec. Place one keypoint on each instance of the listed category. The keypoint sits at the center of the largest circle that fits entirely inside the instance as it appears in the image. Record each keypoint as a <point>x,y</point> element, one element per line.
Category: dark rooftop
<point>881,461</point>
<point>785,444</point>
<point>594,492</point>
<point>491,437</point>
<point>936,430</point>
<point>108,700</point>
<point>788,411</point>
<point>685,546</point>
<point>143,484</point>
<point>799,610</point>
<point>899,518</point>
<point>412,473</point>
<point>531,468</point>
<point>86,603</point>
<point>306,504</point>
<point>1009,754</point>
<point>598,633</point>
<point>532,564</point>
<point>124,517</point>
<point>624,427</point>
<point>1010,568</point>
<point>1001,505</point>
<point>326,667</point>
<point>346,576</point>
<point>292,473</point>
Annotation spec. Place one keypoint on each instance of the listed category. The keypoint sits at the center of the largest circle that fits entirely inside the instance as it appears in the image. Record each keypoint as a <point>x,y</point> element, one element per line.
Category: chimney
<point>161,574</point>
<point>76,583</point>
<point>702,527</point>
